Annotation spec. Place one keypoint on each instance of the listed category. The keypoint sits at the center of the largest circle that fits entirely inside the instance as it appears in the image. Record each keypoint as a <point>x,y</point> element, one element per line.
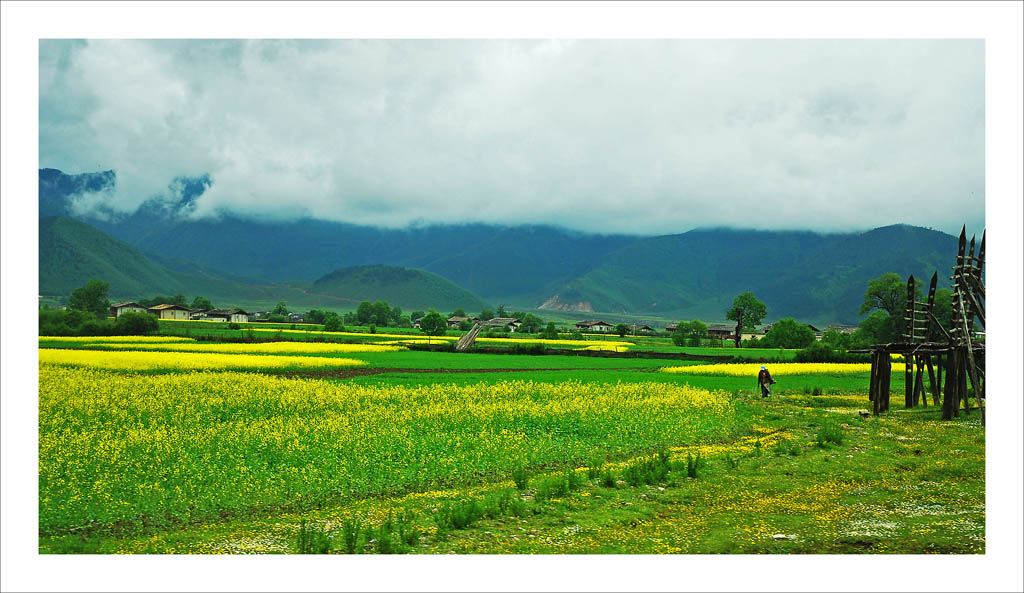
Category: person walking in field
<point>764,381</point>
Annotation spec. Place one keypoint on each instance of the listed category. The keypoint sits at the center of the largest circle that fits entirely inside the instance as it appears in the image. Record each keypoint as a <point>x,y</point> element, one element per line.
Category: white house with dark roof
<point>228,315</point>
<point>594,325</point>
<point>166,311</point>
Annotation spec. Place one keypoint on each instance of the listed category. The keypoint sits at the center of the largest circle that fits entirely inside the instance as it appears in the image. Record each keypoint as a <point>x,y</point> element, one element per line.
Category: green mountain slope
<point>72,252</point>
<point>816,278</point>
<point>406,287</point>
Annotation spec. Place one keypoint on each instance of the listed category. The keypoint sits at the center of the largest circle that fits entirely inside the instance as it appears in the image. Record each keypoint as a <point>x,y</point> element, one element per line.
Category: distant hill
<point>818,278</point>
<point>815,278</point>
<point>405,287</point>
<point>72,252</point>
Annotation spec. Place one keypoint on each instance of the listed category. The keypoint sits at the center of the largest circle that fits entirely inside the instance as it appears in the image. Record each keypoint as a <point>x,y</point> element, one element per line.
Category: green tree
<point>531,324</point>
<point>92,298</point>
<point>943,311</point>
<point>887,293</point>
<point>455,313</point>
<point>201,302</point>
<point>836,340</point>
<point>621,329</point>
<point>486,314</point>
<point>416,315</point>
<point>465,325</point>
<point>133,323</point>
<point>746,311</point>
<point>404,321</point>
<point>549,333</point>
<point>433,324</point>
<point>788,333</point>
<point>317,316</point>
<point>332,323</point>
<point>689,333</point>
<point>179,299</point>
<point>381,312</point>
<point>501,310</point>
<point>394,315</point>
<point>364,313</point>
<point>881,328</point>
<point>280,308</point>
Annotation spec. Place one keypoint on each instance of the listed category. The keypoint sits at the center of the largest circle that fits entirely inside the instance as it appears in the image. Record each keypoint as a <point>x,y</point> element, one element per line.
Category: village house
<point>721,331</point>
<point>117,308</point>
<point>512,323</point>
<point>198,314</point>
<point>843,329</point>
<point>594,326</point>
<point>641,328</point>
<point>166,311</point>
<point>297,317</point>
<point>456,320</point>
<point>228,315</point>
<point>671,327</point>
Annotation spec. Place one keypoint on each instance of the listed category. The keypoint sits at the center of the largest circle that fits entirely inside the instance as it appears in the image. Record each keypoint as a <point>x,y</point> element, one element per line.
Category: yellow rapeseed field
<point>116,446</point>
<point>607,345</point>
<point>777,369</point>
<point>116,339</point>
<point>259,348</point>
<point>147,361</point>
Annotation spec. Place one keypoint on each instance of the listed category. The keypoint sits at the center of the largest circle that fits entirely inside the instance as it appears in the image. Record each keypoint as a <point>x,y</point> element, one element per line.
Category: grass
<point>607,479</point>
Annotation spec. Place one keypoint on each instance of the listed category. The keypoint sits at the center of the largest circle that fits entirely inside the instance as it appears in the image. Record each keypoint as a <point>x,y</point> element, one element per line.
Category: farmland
<point>169,444</point>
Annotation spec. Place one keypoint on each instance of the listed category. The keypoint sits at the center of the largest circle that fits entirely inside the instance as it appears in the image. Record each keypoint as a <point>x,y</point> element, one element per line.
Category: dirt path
<point>348,373</point>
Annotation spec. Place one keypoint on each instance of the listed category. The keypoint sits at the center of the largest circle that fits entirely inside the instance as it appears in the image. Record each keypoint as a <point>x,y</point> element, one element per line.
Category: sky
<point>627,136</point>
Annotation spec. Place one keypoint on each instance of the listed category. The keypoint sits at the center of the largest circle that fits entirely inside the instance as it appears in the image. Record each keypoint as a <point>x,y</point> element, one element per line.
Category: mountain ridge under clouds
<point>815,277</point>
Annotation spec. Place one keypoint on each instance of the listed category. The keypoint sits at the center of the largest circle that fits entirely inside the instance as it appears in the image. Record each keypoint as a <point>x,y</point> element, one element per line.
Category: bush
<point>132,323</point>
<point>829,433</point>
<point>332,323</point>
<point>521,477</point>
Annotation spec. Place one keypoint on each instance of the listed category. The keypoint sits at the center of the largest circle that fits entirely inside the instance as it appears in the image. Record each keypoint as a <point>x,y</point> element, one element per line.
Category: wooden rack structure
<point>956,353</point>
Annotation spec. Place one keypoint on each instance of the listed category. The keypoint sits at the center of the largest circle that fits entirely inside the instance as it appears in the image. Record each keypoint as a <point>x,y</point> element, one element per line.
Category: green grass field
<point>433,452</point>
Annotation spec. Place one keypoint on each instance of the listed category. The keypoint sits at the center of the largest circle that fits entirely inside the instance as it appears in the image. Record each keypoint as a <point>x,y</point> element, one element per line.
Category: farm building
<point>641,328</point>
<point>512,323</point>
<point>671,327</point>
<point>455,320</point>
<point>166,311</point>
<point>117,308</point>
<point>229,315</point>
<point>198,314</point>
<point>722,331</point>
<point>594,326</point>
<point>843,329</point>
<point>296,317</point>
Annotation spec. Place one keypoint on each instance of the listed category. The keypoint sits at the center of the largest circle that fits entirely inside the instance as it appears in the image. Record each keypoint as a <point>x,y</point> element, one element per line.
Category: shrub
<point>234,325</point>
<point>132,323</point>
<point>312,540</point>
<point>521,477</point>
<point>829,433</point>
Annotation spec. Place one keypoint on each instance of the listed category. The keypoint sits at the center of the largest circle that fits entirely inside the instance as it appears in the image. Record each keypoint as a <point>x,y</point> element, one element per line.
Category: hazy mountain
<point>819,278</point>
<point>405,287</point>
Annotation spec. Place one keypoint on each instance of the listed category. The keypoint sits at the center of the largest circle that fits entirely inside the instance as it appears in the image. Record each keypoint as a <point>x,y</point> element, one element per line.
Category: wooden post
<point>949,388</point>
<point>886,380</point>
<point>933,386</point>
<point>919,381</point>
<point>908,361</point>
<point>874,390</point>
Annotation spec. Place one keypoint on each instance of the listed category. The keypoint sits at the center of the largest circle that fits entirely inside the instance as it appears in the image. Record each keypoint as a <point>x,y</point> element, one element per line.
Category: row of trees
<point>87,312</point>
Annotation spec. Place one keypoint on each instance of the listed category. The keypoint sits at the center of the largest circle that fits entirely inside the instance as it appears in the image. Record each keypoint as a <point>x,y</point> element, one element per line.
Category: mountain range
<point>818,278</point>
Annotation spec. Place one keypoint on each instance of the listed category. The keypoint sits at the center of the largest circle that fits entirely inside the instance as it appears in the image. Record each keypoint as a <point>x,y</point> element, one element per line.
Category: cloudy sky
<point>645,137</point>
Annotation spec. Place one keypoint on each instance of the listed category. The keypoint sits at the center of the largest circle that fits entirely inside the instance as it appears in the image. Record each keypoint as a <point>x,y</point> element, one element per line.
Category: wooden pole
<point>933,386</point>
<point>949,388</point>
<point>919,381</point>
<point>886,380</point>
<point>908,361</point>
<point>876,371</point>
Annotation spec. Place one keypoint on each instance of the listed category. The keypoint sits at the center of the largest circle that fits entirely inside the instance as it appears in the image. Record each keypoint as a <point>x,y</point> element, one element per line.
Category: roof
<point>166,306</point>
<point>591,323</point>
<point>458,318</point>
<point>502,321</point>
<point>641,326</point>
<point>218,312</point>
<point>721,327</point>
<point>846,329</point>
<point>128,304</point>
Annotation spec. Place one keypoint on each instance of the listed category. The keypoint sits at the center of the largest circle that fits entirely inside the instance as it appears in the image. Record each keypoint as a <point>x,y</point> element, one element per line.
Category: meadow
<point>167,445</point>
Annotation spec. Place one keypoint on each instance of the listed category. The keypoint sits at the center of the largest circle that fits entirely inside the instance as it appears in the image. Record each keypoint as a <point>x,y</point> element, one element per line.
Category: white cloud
<point>631,136</point>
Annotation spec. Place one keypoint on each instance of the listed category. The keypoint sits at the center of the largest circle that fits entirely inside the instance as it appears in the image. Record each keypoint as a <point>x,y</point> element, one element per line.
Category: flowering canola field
<point>777,369</point>
<point>122,447</point>
<point>258,348</point>
<point>134,360</point>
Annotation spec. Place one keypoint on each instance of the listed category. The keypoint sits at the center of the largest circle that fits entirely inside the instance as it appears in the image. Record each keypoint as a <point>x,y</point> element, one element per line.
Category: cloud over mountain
<point>626,136</point>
